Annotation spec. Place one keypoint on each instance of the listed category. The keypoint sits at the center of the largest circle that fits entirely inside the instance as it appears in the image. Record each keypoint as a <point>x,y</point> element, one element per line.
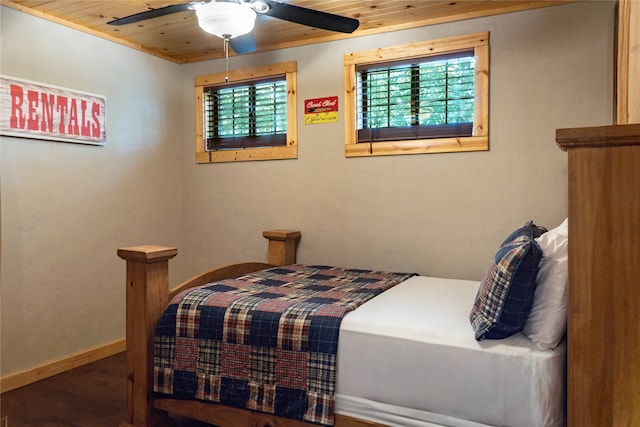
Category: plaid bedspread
<point>265,341</point>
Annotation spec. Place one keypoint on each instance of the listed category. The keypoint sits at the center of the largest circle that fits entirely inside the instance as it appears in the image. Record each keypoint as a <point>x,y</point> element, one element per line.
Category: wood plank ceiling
<point>178,37</point>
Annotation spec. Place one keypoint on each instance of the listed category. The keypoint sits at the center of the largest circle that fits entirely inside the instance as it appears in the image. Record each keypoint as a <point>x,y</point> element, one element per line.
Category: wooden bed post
<point>603,318</point>
<point>147,293</point>
<point>282,246</point>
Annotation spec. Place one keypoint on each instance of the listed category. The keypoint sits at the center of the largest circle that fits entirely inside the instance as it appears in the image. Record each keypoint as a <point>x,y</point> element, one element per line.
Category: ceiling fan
<point>233,20</point>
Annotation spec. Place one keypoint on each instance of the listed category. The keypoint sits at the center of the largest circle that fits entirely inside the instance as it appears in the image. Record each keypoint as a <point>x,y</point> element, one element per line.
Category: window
<point>251,118</point>
<point>418,98</point>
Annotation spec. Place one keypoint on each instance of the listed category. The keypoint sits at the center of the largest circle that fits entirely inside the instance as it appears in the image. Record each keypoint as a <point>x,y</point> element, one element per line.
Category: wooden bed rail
<point>148,295</point>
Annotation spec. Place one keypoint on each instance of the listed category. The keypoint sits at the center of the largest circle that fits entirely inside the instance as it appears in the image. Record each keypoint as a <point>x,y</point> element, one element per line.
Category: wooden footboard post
<point>282,246</point>
<point>147,293</point>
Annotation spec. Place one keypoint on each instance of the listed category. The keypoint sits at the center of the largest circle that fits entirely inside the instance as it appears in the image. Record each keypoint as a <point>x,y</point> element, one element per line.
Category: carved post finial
<point>282,246</point>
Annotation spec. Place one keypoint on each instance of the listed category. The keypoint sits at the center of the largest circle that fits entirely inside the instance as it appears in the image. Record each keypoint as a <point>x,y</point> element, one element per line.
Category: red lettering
<point>32,122</point>
<point>62,109</point>
<point>36,109</point>
<point>95,114</point>
<point>86,128</point>
<point>17,119</point>
<point>48,102</point>
<point>73,127</point>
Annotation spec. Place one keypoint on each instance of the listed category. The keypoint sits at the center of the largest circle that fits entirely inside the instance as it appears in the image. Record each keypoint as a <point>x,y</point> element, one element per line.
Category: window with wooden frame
<point>247,114</point>
<point>426,97</point>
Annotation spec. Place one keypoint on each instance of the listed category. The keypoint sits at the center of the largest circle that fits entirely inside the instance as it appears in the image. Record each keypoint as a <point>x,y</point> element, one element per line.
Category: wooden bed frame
<point>147,296</point>
<point>603,379</point>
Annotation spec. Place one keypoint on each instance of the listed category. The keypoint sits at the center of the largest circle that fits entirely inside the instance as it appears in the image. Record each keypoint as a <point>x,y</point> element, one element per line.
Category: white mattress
<point>409,358</point>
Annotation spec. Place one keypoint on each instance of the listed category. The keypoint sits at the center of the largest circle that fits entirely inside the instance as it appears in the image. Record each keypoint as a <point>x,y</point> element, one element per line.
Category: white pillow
<point>547,321</point>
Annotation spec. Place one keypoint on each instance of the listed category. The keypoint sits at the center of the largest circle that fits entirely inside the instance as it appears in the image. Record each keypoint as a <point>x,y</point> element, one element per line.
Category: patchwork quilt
<point>265,341</point>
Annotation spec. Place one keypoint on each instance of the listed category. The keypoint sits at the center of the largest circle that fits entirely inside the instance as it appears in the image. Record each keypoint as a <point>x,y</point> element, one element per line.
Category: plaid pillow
<point>505,296</point>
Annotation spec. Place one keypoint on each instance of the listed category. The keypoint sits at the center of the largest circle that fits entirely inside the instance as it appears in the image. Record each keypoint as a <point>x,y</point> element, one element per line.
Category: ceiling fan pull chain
<point>226,58</point>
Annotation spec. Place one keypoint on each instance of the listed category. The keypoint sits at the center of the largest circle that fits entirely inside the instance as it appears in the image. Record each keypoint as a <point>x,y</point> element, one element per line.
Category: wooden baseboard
<point>30,376</point>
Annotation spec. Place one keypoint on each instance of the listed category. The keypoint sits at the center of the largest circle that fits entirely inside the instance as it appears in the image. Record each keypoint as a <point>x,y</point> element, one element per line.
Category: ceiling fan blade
<point>153,13</point>
<point>310,17</point>
<point>243,44</point>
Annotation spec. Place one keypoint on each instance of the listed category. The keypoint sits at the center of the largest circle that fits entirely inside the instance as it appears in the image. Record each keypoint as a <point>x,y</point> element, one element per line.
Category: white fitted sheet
<point>409,358</point>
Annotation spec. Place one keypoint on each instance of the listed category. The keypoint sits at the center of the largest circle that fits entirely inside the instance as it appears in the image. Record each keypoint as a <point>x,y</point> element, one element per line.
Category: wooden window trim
<point>289,151</point>
<point>478,42</point>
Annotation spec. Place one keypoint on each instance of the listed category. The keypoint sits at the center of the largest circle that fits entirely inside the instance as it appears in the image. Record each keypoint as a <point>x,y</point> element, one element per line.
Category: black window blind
<point>431,97</point>
<point>246,115</point>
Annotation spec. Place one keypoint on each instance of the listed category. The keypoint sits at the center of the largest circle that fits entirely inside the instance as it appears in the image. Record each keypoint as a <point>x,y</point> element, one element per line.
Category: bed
<point>407,357</point>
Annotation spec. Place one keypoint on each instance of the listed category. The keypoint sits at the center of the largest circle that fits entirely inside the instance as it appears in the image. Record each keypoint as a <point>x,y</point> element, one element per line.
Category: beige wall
<point>67,207</point>
<point>439,214</point>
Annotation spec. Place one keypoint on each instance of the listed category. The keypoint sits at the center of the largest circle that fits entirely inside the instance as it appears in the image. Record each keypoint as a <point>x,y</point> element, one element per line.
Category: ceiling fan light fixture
<point>226,19</point>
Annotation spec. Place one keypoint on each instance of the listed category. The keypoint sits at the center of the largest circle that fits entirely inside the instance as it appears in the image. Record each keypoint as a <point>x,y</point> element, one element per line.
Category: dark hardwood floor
<point>92,395</point>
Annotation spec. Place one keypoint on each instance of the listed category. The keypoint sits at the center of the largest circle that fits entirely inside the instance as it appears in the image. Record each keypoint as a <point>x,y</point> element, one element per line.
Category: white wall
<point>438,214</point>
<point>66,208</point>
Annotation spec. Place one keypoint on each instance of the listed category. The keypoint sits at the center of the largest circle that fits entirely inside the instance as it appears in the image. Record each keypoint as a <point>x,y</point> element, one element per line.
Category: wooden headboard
<point>603,327</point>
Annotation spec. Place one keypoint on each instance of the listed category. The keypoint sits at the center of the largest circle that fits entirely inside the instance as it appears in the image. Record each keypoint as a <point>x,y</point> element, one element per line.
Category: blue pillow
<point>505,296</point>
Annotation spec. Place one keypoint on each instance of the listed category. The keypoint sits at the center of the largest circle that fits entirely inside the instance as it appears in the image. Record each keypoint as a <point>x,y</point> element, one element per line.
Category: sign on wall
<point>35,110</point>
<point>321,110</point>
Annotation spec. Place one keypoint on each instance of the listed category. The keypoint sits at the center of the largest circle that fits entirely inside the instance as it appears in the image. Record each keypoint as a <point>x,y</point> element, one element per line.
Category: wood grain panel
<point>604,249</point>
<point>628,62</point>
<point>178,38</point>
